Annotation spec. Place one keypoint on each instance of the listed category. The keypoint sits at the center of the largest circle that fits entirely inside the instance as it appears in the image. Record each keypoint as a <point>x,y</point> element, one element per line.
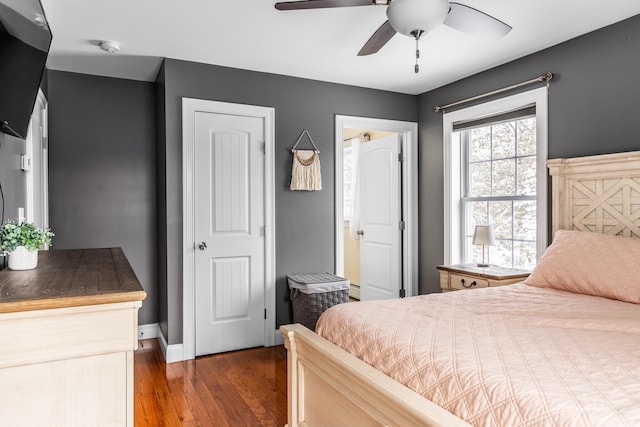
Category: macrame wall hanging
<point>305,171</point>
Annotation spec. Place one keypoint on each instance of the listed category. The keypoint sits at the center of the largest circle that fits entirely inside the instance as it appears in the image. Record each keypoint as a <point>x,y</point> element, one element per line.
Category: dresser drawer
<point>452,276</point>
<point>467,282</point>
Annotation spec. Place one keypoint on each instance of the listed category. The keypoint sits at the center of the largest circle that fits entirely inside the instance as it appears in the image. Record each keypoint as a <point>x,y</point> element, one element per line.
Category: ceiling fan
<point>413,18</point>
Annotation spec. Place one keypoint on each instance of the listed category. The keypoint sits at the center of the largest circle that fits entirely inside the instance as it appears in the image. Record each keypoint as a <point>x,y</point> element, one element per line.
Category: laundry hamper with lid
<point>312,294</point>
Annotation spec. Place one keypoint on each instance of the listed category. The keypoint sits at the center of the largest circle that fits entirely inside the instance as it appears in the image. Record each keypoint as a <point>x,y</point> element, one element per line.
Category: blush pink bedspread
<point>507,356</point>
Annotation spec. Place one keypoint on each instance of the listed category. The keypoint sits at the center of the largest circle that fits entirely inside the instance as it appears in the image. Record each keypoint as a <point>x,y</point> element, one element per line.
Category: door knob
<point>202,246</point>
<point>360,232</point>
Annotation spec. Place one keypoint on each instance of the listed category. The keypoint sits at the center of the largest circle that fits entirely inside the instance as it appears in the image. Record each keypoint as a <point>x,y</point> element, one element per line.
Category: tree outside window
<point>499,188</point>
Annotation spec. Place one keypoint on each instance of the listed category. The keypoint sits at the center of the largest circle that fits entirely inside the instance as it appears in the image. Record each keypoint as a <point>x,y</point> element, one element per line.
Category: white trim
<point>408,132</point>
<point>451,156</point>
<point>189,107</point>
<point>29,196</point>
<point>172,353</point>
<point>147,331</point>
<point>452,189</point>
<point>42,146</point>
<point>45,161</point>
<point>278,338</point>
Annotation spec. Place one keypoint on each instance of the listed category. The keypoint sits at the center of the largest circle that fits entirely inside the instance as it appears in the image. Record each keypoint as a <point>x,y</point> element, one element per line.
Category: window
<point>499,188</point>
<point>495,173</point>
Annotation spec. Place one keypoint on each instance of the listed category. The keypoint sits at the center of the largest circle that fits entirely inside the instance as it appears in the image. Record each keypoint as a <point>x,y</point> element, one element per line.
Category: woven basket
<point>307,308</point>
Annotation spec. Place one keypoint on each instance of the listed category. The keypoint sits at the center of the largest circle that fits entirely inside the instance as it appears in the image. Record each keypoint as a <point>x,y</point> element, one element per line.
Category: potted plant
<point>21,242</point>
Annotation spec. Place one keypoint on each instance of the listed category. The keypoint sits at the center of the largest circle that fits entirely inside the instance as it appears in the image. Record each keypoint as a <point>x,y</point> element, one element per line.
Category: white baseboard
<point>148,331</point>
<point>175,352</point>
<point>172,353</point>
<point>354,291</point>
<point>279,339</point>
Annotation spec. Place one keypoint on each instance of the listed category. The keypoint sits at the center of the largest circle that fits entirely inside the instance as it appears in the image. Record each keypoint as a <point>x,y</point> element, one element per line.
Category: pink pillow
<point>592,264</point>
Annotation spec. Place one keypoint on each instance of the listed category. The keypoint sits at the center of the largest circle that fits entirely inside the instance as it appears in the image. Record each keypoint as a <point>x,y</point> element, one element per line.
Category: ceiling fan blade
<point>321,4</point>
<point>474,22</point>
<point>378,39</point>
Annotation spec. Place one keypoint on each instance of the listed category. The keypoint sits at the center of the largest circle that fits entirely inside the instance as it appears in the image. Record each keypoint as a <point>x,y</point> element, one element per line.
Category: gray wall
<point>12,179</point>
<point>593,109</point>
<point>304,220</point>
<point>102,169</point>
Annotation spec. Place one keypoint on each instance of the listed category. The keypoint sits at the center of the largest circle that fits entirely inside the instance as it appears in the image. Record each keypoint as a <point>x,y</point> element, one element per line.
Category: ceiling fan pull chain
<point>417,34</point>
<point>417,67</point>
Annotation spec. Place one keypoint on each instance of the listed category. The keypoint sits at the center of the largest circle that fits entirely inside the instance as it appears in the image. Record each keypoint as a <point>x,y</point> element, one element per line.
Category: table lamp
<point>483,235</point>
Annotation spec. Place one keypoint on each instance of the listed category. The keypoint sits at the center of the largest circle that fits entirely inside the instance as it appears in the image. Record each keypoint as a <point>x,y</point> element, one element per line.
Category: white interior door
<point>380,240</point>
<point>229,219</point>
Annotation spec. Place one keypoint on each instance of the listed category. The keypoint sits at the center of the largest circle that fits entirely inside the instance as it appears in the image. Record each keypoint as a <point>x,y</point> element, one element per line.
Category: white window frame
<point>453,151</point>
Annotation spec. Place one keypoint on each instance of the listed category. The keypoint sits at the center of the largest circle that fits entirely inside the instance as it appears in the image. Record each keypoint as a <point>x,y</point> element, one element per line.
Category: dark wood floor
<point>240,388</point>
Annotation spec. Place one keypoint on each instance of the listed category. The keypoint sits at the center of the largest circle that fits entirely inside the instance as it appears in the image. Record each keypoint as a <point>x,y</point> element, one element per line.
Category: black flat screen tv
<point>25,39</point>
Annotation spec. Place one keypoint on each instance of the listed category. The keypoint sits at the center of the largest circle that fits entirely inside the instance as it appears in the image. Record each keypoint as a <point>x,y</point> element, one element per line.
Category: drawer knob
<point>470,285</point>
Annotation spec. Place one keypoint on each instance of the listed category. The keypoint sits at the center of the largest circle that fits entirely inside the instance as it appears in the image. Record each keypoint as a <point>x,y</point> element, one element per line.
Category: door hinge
<point>403,293</point>
<point>263,147</point>
<point>401,225</point>
<point>400,157</point>
<point>265,313</point>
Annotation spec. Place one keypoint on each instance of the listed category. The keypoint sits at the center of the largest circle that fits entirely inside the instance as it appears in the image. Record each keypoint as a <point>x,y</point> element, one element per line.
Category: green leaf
<point>24,234</point>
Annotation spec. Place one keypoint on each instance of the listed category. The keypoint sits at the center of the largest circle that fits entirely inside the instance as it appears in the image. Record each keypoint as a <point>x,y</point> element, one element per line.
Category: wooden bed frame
<point>327,386</point>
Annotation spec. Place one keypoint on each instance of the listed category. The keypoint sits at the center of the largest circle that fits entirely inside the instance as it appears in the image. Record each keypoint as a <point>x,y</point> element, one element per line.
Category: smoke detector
<point>110,46</point>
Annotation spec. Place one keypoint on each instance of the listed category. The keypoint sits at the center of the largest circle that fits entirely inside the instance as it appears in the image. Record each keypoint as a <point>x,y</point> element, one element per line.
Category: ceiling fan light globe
<point>407,16</point>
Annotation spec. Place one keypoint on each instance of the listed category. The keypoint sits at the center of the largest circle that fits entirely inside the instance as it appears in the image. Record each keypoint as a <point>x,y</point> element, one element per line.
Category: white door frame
<point>189,107</point>
<point>43,184</point>
<point>408,132</point>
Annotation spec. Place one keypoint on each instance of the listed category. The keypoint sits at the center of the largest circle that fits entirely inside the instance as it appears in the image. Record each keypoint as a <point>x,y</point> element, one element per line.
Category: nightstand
<point>469,276</point>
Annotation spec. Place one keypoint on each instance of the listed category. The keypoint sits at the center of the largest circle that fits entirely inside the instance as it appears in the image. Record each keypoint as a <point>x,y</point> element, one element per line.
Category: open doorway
<point>357,141</point>
<point>376,206</point>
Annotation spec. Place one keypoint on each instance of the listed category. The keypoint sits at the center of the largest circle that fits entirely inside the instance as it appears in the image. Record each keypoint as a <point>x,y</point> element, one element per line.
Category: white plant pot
<point>23,259</point>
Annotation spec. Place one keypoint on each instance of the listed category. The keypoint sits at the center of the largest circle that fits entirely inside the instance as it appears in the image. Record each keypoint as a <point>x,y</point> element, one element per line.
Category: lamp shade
<point>483,235</point>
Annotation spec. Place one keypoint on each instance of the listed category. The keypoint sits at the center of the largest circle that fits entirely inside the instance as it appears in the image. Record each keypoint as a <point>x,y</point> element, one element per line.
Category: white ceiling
<point>317,44</point>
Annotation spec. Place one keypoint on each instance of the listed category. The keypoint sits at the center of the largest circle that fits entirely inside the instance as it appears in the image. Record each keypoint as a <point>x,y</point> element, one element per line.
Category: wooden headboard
<point>597,193</point>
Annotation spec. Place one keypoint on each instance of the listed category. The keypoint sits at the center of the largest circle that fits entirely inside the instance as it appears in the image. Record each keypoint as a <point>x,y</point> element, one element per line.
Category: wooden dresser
<point>68,330</point>
<point>468,276</point>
